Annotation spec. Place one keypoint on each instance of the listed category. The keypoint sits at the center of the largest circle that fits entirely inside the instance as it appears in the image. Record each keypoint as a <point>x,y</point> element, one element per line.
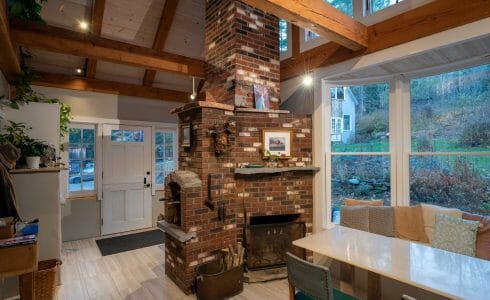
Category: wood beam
<point>166,21</point>
<point>200,86</point>
<point>423,21</point>
<point>295,40</point>
<point>9,62</point>
<point>91,46</point>
<point>96,29</point>
<point>109,87</point>
<point>319,17</point>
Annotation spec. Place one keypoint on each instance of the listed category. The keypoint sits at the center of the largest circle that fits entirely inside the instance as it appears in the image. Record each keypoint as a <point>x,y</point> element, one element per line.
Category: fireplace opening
<point>173,211</point>
<point>269,238</point>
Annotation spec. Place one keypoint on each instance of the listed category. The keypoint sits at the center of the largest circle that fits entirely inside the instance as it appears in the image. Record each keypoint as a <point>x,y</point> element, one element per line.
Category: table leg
<point>26,286</point>
<point>374,286</point>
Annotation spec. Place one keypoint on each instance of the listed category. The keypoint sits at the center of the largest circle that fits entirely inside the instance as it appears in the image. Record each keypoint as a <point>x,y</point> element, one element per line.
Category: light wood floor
<point>138,274</point>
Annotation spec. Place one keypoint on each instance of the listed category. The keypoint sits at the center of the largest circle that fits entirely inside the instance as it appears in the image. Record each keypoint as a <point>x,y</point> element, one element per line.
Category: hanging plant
<point>29,10</point>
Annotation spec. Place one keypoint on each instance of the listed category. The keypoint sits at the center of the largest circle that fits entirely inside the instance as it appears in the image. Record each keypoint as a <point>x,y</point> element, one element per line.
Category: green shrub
<point>475,135</point>
<point>372,125</point>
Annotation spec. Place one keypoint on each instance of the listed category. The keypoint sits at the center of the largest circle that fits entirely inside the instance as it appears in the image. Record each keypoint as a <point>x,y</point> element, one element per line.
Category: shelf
<point>175,231</point>
<point>250,171</point>
<point>40,170</point>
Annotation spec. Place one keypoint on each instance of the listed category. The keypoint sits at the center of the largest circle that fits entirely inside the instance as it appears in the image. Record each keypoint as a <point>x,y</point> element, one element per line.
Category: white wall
<point>106,106</point>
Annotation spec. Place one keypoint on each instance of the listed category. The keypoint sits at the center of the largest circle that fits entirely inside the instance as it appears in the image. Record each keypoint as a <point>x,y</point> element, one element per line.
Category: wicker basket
<point>45,279</point>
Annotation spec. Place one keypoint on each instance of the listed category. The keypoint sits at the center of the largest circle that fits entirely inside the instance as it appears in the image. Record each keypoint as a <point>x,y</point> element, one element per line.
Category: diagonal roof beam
<point>96,29</point>
<point>65,41</point>
<point>319,17</point>
<point>166,21</point>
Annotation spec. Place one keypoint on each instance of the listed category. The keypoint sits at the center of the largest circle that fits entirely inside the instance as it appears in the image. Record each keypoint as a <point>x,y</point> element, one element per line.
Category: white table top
<point>441,272</point>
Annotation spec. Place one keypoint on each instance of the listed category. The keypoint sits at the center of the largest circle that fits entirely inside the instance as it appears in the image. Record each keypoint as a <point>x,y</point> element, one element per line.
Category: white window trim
<point>161,187</point>
<point>90,193</point>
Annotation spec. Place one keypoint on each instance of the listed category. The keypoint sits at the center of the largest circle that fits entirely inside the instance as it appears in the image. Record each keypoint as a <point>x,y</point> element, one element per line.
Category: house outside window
<point>374,6</point>
<point>165,155</point>
<point>81,159</point>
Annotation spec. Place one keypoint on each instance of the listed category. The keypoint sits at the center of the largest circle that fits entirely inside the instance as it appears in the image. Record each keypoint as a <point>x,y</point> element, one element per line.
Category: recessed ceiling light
<point>83,25</point>
<point>79,71</point>
<point>307,80</point>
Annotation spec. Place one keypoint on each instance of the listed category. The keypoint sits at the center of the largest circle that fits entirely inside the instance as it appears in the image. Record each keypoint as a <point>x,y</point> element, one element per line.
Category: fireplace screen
<point>267,244</point>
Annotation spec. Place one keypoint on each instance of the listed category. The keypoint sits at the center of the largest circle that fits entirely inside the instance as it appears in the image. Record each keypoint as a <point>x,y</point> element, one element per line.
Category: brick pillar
<point>242,49</point>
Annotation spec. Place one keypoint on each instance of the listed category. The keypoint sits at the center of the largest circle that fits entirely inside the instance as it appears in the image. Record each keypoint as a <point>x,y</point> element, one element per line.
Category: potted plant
<point>32,150</point>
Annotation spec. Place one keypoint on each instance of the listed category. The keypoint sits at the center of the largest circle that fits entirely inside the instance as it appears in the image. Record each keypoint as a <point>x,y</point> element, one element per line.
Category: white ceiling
<point>134,22</point>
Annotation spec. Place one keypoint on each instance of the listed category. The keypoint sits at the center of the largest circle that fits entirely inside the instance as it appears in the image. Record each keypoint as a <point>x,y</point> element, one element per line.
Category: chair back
<point>313,280</point>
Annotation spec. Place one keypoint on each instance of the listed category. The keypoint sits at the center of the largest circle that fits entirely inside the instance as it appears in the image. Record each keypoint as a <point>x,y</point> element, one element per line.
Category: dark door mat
<point>130,242</point>
<point>265,275</point>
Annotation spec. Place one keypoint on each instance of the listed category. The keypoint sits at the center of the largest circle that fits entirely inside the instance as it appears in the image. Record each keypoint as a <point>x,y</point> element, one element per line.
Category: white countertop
<point>441,272</point>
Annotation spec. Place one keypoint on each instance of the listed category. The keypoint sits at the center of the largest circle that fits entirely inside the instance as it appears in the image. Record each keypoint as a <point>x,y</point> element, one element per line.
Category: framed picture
<point>261,96</point>
<point>277,142</point>
<point>186,135</point>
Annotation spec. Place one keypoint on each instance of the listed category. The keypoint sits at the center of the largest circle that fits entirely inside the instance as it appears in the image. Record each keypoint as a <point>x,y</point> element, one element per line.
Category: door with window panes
<point>126,178</point>
<point>81,151</point>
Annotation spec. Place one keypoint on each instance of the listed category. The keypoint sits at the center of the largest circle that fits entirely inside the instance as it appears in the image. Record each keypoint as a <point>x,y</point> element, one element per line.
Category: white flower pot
<point>33,162</point>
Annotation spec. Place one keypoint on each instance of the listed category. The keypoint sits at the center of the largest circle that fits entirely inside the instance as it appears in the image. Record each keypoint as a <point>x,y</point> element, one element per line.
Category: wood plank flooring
<point>137,274</point>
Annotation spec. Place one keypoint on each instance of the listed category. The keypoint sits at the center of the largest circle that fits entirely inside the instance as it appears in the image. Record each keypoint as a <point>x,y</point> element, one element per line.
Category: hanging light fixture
<point>194,93</point>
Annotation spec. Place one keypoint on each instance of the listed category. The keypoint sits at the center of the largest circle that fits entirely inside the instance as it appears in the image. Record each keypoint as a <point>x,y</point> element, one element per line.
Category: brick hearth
<point>241,49</point>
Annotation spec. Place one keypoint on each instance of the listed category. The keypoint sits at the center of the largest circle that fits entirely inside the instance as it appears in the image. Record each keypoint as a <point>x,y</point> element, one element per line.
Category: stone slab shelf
<point>175,231</point>
<point>251,171</point>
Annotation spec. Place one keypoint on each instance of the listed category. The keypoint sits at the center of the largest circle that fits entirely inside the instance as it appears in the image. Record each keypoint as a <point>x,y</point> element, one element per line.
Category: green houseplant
<point>32,150</point>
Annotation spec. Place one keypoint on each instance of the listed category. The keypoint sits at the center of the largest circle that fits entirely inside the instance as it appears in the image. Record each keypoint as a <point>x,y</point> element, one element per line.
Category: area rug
<point>265,275</point>
<point>130,242</point>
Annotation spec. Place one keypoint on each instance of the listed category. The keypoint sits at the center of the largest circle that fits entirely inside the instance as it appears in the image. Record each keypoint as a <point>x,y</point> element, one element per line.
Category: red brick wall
<point>242,49</point>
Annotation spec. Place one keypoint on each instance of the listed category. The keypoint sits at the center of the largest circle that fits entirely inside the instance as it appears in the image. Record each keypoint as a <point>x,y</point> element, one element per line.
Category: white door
<point>126,178</point>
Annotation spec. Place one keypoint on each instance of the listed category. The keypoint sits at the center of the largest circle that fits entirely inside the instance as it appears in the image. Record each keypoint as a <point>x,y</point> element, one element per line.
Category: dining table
<point>440,272</point>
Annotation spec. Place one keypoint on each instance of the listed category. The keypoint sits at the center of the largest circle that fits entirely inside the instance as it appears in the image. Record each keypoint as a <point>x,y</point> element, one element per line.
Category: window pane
<point>452,181</point>
<point>344,6</point>
<point>127,135</point>
<point>377,5</point>
<point>116,135</point>
<point>449,112</point>
<point>310,35</point>
<point>138,136</point>
<point>160,165</point>
<point>88,167</point>
<point>160,177</point>
<point>88,183</point>
<point>74,167</point>
<point>75,135</point>
<point>159,136</point>
<point>74,184</point>
<point>89,151</point>
<point>159,151</point>
<point>283,35</point>
<point>74,152</point>
<point>368,109</point>
<point>88,136</point>
<point>359,177</point>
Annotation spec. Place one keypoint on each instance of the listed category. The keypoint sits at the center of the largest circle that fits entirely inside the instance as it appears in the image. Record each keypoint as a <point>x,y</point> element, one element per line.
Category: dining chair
<point>311,282</point>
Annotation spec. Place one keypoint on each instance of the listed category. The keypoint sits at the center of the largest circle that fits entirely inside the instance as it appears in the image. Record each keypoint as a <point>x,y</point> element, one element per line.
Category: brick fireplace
<point>210,204</point>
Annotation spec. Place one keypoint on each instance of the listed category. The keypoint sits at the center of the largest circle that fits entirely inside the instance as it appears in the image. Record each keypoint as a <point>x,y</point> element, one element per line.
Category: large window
<point>450,147</point>
<point>359,157</point>
<point>377,5</point>
<point>344,6</point>
<point>283,35</point>
<point>164,155</point>
<point>81,155</point>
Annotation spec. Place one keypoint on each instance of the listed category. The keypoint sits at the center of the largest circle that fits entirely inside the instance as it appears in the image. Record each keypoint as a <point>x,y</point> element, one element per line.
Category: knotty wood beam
<point>166,21</point>
<point>319,17</point>
<point>423,21</point>
<point>9,62</point>
<point>96,29</point>
<point>90,46</point>
<point>109,87</point>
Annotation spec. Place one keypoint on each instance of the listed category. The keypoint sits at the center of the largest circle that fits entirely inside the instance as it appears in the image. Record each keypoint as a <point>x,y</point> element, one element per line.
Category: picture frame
<point>277,142</point>
<point>186,131</point>
<point>261,97</point>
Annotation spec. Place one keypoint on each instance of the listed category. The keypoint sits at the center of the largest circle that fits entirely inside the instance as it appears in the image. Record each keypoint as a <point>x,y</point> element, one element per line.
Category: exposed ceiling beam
<point>91,46</point>
<point>166,21</point>
<point>96,29</point>
<point>9,62</point>
<point>109,87</point>
<point>423,21</point>
<point>319,17</point>
<point>200,86</point>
